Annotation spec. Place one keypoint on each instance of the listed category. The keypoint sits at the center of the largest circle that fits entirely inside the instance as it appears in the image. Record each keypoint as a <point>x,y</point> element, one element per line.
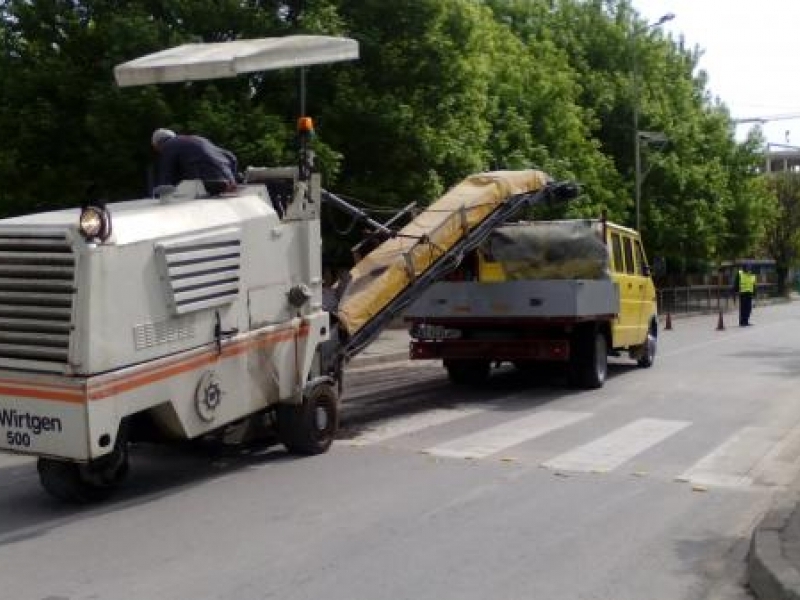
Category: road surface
<point>520,489</point>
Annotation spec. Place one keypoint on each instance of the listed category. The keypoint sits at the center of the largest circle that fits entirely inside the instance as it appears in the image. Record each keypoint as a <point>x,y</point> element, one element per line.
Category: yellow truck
<point>573,291</point>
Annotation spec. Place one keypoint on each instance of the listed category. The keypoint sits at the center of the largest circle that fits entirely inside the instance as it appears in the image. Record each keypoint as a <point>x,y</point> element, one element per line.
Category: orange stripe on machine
<point>43,393</point>
<point>123,383</point>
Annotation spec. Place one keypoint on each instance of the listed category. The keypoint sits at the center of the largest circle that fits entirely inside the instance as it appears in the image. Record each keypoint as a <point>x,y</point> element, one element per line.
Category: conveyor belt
<point>433,244</point>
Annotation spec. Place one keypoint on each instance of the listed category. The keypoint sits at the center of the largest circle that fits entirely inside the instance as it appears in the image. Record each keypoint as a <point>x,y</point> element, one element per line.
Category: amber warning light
<point>305,125</point>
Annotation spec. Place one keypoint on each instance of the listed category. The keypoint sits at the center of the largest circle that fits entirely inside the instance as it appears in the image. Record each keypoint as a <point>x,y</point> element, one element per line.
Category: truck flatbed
<point>511,300</point>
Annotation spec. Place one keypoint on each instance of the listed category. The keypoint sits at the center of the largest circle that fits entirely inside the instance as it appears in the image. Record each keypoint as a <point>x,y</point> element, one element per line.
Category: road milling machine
<point>194,314</point>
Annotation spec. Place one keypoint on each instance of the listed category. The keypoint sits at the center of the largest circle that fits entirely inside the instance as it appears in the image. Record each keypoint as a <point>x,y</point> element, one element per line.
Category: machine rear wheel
<point>309,428</point>
<point>467,372</point>
<point>84,483</point>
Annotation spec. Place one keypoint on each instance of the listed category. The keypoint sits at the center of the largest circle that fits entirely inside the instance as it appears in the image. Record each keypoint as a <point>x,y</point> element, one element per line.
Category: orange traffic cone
<point>668,324</point>
<point>720,324</point>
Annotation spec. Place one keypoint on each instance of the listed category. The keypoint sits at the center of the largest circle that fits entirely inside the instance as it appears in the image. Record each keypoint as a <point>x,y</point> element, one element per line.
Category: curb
<point>769,574</point>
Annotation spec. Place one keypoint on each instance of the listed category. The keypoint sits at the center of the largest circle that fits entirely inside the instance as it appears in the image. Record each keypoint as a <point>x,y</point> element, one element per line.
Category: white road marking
<point>411,424</point>
<point>779,467</point>
<point>492,440</point>
<point>618,447</point>
<point>730,464</point>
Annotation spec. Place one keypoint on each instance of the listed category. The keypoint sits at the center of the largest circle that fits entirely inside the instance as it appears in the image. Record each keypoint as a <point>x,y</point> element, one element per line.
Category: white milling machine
<point>169,317</point>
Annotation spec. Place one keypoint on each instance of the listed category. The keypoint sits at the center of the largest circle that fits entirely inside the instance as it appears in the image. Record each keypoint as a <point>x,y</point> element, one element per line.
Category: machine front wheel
<point>310,427</point>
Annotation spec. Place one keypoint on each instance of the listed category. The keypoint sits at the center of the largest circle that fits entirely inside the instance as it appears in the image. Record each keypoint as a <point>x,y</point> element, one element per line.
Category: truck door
<point>647,291</point>
<point>626,327</point>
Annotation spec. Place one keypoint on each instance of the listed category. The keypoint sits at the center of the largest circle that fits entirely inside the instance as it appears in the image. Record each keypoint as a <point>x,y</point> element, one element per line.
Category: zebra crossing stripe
<point>412,424</point>
<point>497,438</point>
<point>612,450</point>
<point>731,463</point>
<point>779,466</point>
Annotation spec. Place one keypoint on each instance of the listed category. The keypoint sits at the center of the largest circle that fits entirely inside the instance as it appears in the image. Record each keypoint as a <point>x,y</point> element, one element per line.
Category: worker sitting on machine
<point>193,157</point>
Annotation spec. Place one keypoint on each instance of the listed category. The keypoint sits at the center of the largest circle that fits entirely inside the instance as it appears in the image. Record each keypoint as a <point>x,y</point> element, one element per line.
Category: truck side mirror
<point>659,268</point>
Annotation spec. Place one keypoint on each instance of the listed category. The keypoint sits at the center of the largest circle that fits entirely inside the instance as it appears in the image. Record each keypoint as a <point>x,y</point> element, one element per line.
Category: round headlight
<point>91,222</point>
<point>94,223</point>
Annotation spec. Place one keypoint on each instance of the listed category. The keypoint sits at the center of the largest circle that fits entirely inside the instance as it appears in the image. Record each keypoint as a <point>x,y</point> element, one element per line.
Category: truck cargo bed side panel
<point>516,299</point>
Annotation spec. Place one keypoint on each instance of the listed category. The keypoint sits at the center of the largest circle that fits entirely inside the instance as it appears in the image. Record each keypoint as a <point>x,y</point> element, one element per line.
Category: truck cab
<point>631,273</point>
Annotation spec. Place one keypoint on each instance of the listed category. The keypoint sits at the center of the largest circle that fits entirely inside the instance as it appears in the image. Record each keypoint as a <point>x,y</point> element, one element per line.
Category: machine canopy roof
<point>191,62</point>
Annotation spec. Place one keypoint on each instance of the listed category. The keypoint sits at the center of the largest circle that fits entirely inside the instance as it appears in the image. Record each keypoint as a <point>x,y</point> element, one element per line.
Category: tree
<point>783,230</point>
<point>551,89</point>
<point>694,183</point>
<point>444,88</point>
<point>415,114</point>
<point>67,130</point>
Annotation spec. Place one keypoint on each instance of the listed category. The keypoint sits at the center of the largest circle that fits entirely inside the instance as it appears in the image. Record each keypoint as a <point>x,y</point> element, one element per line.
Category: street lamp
<point>637,156</point>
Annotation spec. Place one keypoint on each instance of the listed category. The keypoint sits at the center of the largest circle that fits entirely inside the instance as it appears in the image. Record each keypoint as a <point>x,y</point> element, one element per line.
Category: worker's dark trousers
<point>745,307</point>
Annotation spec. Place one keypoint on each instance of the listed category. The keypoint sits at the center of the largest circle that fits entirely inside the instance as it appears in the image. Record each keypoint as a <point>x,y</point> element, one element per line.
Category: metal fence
<point>704,298</point>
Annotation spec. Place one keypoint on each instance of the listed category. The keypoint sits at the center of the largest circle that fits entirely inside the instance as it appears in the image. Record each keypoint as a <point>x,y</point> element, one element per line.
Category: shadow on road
<point>158,471</point>
<point>26,511</point>
<point>392,392</point>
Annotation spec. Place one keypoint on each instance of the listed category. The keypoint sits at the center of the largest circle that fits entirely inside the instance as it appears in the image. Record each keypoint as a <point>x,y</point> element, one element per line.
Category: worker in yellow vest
<point>745,286</point>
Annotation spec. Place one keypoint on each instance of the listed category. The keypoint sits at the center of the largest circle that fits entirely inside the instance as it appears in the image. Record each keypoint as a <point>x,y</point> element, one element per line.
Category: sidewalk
<point>773,568</point>
<point>773,563</point>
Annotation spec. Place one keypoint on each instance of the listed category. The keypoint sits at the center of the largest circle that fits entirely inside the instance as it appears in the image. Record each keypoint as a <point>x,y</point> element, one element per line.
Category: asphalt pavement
<point>773,562</point>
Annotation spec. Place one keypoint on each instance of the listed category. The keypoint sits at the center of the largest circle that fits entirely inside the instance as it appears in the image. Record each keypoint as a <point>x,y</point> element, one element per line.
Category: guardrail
<point>705,298</point>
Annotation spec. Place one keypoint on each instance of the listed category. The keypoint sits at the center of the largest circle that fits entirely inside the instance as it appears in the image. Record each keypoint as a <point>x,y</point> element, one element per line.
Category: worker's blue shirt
<point>194,157</point>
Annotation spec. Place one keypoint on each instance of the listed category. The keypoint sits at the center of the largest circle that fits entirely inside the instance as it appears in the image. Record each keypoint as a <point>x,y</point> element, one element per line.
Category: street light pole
<point>637,154</point>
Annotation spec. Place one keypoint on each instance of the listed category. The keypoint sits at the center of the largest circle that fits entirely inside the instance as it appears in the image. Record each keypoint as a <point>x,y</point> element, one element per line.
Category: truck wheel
<point>529,366</point>
<point>309,428</point>
<point>85,483</point>
<point>646,353</point>
<point>589,360</point>
<point>467,372</point>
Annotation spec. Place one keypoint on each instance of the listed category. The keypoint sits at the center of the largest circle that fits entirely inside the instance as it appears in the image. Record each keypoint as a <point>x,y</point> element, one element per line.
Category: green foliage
<point>697,187</point>
<point>782,239</point>
<point>417,98</point>
<point>67,130</point>
<point>443,88</point>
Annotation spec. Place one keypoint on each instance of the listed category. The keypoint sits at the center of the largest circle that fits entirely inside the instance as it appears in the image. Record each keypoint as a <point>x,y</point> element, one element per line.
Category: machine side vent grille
<point>202,272</point>
<point>148,335</point>
<point>37,289</point>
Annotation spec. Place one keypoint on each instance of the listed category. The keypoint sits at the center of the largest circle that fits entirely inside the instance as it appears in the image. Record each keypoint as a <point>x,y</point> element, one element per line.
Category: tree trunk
<point>781,271</point>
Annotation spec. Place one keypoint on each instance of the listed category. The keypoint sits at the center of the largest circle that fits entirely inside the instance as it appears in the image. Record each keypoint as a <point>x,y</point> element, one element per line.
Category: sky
<point>750,50</point>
